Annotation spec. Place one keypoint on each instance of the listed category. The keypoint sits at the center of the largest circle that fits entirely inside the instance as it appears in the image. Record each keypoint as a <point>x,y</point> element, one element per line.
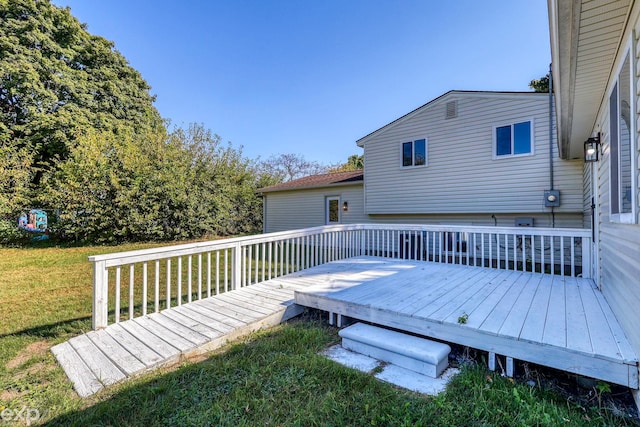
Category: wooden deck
<point>122,350</point>
<point>561,322</point>
<point>555,321</point>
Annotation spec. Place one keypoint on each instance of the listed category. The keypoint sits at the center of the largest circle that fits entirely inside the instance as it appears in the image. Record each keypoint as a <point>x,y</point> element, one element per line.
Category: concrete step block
<point>417,354</point>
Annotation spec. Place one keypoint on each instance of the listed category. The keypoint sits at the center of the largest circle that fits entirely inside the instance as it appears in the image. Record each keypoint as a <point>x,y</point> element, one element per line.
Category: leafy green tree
<point>57,81</point>
<point>541,84</point>
<point>221,197</point>
<point>15,176</point>
<point>354,162</point>
<point>79,136</point>
<point>154,187</point>
<point>100,190</point>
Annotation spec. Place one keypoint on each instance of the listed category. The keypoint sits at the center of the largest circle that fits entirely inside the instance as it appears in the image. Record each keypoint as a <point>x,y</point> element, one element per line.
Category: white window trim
<point>326,210</point>
<point>494,144</point>
<point>413,152</point>
<point>629,217</point>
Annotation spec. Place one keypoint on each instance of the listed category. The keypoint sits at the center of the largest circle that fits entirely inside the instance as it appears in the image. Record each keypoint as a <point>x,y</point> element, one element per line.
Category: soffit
<point>584,40</point>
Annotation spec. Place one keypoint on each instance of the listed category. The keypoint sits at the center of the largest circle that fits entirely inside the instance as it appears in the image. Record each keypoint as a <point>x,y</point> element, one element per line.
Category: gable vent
<point>452,110</point>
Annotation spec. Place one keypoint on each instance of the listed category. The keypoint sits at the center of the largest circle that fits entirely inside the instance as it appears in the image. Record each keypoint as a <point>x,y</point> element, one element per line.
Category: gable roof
<point>317,181</point>
<point>443,98</point>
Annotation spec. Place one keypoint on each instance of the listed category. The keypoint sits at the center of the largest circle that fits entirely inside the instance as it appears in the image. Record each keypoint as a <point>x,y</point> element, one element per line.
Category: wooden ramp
<point>122,350</point>
<point>560,322</point>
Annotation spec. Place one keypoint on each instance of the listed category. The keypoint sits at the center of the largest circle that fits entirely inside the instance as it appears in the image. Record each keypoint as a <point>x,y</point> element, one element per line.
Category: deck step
<point>417,354</point>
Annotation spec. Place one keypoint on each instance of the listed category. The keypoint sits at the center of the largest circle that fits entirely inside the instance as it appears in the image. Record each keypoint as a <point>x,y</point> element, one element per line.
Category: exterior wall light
<point>345,206</point>
<point>592,149</point>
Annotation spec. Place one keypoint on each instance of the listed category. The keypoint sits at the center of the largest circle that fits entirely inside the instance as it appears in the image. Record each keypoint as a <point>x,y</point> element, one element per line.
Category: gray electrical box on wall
<point>551,198</point>
<point>524,222</point>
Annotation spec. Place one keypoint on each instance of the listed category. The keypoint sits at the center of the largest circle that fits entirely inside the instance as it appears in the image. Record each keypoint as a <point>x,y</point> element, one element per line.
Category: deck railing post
<point>236,265</point>
<point>100,295</point>
<point>587,262</point>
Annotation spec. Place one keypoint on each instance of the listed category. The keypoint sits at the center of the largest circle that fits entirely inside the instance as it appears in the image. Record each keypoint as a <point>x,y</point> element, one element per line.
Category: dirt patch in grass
<point>9,395</point>
<point>38,348</point>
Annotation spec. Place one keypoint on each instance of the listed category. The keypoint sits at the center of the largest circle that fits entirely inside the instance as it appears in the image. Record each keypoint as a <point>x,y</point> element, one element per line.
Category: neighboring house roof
<point>585,36</point>
<point>443,98</point>
<point>317,181</point>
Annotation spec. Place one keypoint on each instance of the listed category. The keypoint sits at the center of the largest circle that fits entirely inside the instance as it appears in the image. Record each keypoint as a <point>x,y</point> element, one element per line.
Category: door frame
<point>327,201</point>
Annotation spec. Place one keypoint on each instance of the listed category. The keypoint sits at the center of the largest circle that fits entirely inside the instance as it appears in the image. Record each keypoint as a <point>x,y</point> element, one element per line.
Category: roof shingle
<point>315,181</point>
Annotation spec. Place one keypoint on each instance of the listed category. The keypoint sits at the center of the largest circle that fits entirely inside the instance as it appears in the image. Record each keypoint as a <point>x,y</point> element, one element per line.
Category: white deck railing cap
<point>199,247</point>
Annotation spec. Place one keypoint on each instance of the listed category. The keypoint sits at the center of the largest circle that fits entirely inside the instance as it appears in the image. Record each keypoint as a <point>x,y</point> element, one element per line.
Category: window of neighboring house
<point>332,210</point>
<point>620,149</point>
<point>513,140</point>
<point>414,153</point>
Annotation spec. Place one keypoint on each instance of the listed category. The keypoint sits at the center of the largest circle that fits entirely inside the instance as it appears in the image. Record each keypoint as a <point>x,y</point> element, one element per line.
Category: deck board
<point>513,323</point>
<point>214,320</point>
<point>126,361</point>
<point>480,314</point>
<point>470,296</point>
<point>155,343</point>
<point>499,305</point>
<point>167,335</point>
<point>555,327</point>
<point>578,333</point>
<point>533,327</point>
<point>189,335</point>
<point>84,381</point>
<point>134,345</point>
<point>203,325</point>
<point>103,369</point>
<point>430,294</point>
<point>472,307</point>
<point>623,347</point>
<point>597,323</point>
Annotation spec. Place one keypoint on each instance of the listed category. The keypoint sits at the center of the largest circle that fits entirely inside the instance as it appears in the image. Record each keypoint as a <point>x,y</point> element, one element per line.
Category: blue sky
<point>311,77</point>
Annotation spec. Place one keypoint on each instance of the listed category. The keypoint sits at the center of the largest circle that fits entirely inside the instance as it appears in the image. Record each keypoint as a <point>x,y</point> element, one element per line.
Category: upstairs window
<point>513,140</point>
<point>414,153</point>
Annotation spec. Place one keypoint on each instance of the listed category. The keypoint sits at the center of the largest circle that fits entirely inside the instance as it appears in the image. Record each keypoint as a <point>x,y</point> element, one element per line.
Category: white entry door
<point>332,210</point>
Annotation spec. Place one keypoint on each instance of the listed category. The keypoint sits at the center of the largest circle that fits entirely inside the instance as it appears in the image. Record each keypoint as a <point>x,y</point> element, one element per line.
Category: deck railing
<point>131,284</point>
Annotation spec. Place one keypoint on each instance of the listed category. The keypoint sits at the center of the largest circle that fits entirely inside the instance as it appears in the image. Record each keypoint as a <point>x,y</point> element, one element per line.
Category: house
<point>595,47</point>
<point>464,158</point>
<point>333,198</point>
<point>472,163</point>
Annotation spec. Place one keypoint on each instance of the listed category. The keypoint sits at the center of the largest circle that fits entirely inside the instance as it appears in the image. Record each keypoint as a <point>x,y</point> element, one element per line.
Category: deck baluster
<point>156,295</point>
<point>168,293</point>
<point>117,296</point>
<point>131,284</point>
<point>179,295</point>
<point>144,288</point>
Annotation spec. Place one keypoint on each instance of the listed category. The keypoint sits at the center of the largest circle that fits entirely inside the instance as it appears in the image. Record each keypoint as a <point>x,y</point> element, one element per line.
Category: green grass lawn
<point>274,378</point>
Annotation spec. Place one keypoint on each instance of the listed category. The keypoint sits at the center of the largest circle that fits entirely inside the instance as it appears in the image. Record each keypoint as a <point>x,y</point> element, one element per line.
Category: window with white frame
<point>620,146</point>
<point>414,153</point>
<point>514,139</point>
